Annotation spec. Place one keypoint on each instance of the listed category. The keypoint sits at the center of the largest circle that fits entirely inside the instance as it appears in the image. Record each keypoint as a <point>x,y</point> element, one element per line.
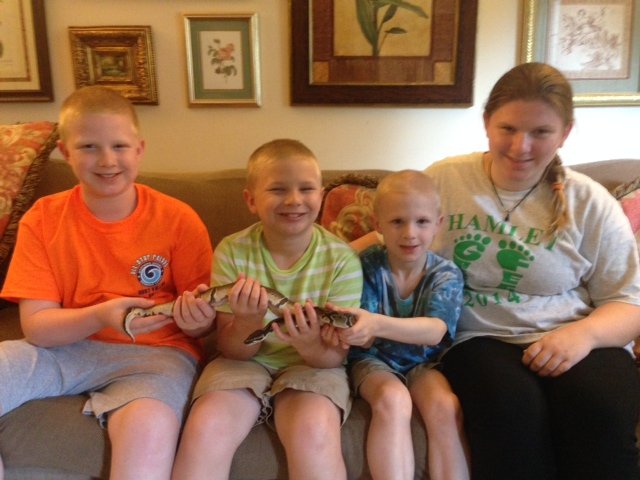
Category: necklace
<point>508,211</point>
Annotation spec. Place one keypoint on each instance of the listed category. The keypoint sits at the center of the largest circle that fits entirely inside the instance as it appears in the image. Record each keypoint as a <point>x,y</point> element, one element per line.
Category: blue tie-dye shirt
<point>438,294</point>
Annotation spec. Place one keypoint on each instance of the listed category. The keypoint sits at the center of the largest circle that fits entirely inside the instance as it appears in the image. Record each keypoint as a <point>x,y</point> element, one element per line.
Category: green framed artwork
<point>595,43</point>
<point>222,59</point>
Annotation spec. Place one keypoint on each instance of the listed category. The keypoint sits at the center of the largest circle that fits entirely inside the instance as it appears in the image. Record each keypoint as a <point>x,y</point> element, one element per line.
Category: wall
<point>183,138</point>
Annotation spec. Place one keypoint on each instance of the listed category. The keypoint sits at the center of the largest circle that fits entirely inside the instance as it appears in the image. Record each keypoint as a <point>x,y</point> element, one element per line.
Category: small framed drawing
<point>415,52</point>
<point>595,43</point>
<point>117,57</point>
<point>223,59</point>
<point>25,71</point>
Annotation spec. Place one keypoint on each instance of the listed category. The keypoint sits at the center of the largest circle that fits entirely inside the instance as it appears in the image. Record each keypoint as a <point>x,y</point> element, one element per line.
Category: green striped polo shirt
<point>329,271</point>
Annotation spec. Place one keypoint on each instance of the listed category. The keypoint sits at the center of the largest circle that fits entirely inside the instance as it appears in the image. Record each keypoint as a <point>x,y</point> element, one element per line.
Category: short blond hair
<point>411,182</point>
<point>278,149</point>
<point>94,99</point>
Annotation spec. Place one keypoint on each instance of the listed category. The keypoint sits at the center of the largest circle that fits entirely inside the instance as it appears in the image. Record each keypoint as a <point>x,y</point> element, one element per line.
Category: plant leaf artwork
<point>374,15</point>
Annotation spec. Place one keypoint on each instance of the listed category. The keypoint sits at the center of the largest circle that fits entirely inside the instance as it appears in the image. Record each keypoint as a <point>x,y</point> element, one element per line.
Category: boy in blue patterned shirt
<point>410,307</point>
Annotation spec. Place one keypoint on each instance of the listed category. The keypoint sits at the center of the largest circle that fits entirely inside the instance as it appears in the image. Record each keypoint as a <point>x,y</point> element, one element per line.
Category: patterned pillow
<point>347,208</point>
<point>628,194</point>
<point>24,148</point>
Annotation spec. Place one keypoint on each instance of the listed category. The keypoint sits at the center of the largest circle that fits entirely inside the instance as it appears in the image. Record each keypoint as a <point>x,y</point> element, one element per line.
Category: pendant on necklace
<point>507,213</point>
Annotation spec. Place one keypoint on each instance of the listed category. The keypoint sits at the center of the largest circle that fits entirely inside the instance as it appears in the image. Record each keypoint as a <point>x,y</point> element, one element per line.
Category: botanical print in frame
<point>595,43</point>
<point>25,72</point>
<point>590,40</point>
<point>223,59</point>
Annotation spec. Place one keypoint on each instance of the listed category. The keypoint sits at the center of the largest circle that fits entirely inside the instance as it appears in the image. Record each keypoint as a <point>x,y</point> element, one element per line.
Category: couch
<point>51,439</point>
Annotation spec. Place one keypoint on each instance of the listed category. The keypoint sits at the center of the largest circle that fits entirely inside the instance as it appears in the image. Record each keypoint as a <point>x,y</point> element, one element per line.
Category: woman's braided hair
<point>539,81</point>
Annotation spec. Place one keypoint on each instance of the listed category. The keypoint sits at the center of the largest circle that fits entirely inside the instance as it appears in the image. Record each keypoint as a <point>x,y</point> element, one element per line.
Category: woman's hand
<point>557,351</point>
<point>612,324</point>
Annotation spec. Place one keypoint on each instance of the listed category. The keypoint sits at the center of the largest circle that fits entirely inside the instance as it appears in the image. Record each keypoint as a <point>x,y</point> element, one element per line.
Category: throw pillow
<point>24,148</point>
<point>347,207</point>
<point>628,194</point>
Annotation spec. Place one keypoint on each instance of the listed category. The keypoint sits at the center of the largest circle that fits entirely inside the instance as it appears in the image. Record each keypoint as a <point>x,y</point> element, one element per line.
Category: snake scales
<point>219,295</point>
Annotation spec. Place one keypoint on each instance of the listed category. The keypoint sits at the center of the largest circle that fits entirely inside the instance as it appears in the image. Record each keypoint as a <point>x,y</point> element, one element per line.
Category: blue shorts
<point>111,374</point>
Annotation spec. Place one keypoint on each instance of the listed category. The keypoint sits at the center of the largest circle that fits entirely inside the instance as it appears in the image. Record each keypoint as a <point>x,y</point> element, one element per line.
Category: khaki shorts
<point>224,374</point>
<point>363,368</point>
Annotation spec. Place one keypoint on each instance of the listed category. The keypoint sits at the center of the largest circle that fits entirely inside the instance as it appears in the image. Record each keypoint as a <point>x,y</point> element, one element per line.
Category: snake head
<point>255,337</point>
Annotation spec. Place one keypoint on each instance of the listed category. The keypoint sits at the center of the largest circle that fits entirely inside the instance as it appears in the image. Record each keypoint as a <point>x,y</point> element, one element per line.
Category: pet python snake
<point>219,295</point>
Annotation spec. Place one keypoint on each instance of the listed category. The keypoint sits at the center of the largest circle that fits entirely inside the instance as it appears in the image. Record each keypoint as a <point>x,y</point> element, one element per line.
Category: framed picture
<point>223,64</point>
<point>25,72</point>
<point>595,43</point>
<point>414,52</point>
<point>116,57</point>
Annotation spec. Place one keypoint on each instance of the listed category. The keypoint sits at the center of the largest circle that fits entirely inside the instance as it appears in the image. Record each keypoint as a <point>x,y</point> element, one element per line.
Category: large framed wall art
<point>414,52</point>
<point>25,71</point>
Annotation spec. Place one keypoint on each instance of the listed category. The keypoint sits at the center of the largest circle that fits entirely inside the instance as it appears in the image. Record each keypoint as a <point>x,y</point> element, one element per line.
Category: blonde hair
<point>94,99</point>
<point>411,182</point>
<point>279,149</point>
<point>539,81</point>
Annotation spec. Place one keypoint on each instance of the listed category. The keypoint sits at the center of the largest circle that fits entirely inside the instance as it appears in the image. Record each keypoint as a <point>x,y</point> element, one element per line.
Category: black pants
<point>580,425</point>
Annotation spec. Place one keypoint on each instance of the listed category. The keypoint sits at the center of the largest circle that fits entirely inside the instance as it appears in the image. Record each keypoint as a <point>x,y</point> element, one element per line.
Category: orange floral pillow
<point>347,209</point>
<point>24,148</point>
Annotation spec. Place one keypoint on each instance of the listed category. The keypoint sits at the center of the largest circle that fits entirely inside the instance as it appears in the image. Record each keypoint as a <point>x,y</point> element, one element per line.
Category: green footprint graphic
<point>469,248</point>
<point>512,257</point>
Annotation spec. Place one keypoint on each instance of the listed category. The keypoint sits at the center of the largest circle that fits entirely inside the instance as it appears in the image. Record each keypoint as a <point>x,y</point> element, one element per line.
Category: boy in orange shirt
<point>83,258</point>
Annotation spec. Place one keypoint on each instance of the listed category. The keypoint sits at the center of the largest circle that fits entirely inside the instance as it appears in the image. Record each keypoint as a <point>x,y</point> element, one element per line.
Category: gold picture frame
<point>118,57</point>
<point>25,71</point>
<point>596,44</point>
<point>223,59</point>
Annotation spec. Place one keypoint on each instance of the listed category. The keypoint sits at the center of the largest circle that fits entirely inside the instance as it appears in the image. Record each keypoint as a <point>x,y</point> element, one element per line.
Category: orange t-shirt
<point>66,255</point>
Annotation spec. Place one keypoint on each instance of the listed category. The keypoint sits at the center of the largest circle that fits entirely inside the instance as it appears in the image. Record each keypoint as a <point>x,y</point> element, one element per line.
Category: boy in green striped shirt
<point>297,372</point>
